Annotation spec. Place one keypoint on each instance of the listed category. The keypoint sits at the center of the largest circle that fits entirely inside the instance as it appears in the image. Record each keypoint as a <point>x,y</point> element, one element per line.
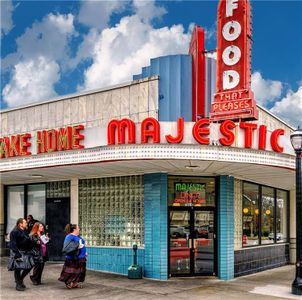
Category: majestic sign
<point>234,99</point>
<point>149,131</point>
<point>190,193</point>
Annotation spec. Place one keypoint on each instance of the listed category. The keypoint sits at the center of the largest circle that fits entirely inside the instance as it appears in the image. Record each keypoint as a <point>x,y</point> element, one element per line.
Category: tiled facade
<point>115,260</point>
<point>226,228</point>
<point>257,259</point>
<point>156,225</point>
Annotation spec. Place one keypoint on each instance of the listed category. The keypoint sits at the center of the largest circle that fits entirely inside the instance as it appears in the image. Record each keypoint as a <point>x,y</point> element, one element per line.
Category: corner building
<point>192,208</point>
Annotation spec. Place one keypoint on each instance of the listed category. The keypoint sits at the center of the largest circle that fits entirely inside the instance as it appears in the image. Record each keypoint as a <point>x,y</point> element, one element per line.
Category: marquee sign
<point>234,99</point>
<point>149,131</point>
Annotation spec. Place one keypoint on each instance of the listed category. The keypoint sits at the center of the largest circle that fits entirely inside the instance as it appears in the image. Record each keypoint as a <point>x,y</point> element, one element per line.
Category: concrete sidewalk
<point>272,284</point>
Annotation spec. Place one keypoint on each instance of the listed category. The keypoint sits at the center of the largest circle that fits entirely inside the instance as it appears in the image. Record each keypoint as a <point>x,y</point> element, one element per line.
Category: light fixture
<point>190,166</point>
<point>296,140</point>
<point>36,176</point>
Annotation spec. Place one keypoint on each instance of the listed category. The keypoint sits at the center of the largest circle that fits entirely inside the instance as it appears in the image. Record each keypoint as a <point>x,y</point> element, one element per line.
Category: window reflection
<point>274,216</point>
<point>36,201</point>
<point>267,217</point>
<point>250,214</point>
<point>15,206</point>
<point>281,216</point>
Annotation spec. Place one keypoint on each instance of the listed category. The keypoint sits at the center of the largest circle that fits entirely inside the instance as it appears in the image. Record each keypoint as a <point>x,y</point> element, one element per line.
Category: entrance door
<point>57,216</point>
<point>192,241</point>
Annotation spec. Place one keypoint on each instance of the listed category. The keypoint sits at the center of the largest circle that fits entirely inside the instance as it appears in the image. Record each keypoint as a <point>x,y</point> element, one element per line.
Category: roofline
<point>112,87</point>
<point>274,116</point>
<point>75,95</point>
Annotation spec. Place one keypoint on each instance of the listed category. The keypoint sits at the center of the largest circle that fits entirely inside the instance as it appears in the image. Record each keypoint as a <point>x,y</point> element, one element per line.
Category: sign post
<point>234,99</point>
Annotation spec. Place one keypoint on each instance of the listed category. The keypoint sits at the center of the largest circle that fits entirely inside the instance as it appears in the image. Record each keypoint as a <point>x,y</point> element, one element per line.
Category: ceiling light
<point>36,176</point>
<point>191,167</point>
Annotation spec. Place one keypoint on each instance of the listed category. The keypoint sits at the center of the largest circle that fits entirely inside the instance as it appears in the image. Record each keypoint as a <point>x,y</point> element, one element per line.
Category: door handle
<point>190,243</point>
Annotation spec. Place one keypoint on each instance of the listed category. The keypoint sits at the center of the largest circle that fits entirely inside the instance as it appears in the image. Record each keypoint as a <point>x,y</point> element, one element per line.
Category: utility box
<point>135,271</point>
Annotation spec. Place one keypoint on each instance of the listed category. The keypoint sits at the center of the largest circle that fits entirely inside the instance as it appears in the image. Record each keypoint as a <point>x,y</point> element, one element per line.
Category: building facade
<point>202,183</point>
<point>192,208</point>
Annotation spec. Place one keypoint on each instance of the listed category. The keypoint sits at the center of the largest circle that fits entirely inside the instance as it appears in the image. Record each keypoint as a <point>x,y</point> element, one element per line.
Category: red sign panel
<point>234,98</point>
<point>198,73</point>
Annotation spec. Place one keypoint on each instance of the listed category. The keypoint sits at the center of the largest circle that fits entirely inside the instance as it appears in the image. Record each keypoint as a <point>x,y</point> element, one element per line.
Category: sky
<point>55,48</point>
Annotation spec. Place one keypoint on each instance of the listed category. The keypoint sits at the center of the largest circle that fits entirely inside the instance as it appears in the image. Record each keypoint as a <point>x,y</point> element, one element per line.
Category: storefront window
<point>111,211</point>
<point>273,205</point>
<point>281,216</point>
<point>250,209</point>
<point>15,206</point>
<point>36,201</point>
<point>191,191</point>
<point>267,217</point>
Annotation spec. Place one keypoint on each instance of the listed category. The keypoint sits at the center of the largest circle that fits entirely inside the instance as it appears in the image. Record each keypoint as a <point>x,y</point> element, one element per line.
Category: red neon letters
<point>200,129</point>
<point>120,126</point>
<point>274,140</point>
<point>16,145</point>
<point>226,130</point>
<point>69,138</point>
<point>180,133</point>
<point>59,140</point>
<point>150,129</point>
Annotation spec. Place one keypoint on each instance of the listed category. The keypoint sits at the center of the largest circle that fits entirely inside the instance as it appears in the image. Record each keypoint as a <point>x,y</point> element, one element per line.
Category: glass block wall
<point>58,189</point>
<point>111,211</point>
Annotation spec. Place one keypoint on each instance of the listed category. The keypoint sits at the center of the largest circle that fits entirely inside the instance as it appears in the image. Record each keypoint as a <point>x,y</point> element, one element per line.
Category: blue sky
<point>53,48</point>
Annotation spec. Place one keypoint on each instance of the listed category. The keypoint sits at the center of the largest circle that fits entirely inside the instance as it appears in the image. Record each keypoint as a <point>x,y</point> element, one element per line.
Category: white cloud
<point>41,49</point>
<point>32,80</point>
<point>147,10</point>
<point>265,91</point>
<point>49,37</point>
<point>96,14</point>
<point>124,49</point>
<point>7,9</point>
<point>290,107</point>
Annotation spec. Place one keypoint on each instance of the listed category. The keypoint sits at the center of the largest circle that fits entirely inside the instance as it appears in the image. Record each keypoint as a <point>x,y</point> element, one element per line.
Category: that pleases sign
<point>234,99</point>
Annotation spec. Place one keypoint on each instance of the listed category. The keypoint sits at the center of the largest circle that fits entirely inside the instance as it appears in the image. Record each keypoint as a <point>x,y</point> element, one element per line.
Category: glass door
<point>192,241</point>
<point>203,237</point>
<point>180,250</point>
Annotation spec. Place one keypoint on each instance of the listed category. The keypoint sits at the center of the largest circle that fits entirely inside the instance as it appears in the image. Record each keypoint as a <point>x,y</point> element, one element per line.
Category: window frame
<point>260,188</point>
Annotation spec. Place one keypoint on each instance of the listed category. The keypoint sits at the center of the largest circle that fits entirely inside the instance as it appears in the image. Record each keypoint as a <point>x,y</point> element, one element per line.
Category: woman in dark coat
<point>74,269</point>
<point>39,251</point>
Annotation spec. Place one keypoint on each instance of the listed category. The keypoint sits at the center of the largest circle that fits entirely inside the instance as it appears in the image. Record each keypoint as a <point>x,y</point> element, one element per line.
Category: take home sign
<point>150,131</point>
<point>234,99</point>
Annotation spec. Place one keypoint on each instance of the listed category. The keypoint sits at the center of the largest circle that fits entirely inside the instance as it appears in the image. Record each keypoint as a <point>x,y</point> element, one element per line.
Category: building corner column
<point>156,226</point>
<point>74,200</point>
<point>225,230</point>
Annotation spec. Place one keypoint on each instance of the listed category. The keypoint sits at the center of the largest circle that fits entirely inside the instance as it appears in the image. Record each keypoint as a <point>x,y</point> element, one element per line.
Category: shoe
<point>33,280</point>
<point>23,285</point>
<point>20,288</point>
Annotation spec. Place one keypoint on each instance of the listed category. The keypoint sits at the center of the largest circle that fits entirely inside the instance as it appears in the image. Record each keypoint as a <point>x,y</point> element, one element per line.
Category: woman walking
<point>39,251</point>
<point>74,269</point>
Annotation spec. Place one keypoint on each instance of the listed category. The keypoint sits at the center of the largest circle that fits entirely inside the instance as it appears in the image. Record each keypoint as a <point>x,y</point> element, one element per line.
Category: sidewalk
<point>272,284</point>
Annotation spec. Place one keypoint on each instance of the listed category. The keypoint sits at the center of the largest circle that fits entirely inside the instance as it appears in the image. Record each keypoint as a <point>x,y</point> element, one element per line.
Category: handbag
<point>71,248</point>
<point>25,262</point>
